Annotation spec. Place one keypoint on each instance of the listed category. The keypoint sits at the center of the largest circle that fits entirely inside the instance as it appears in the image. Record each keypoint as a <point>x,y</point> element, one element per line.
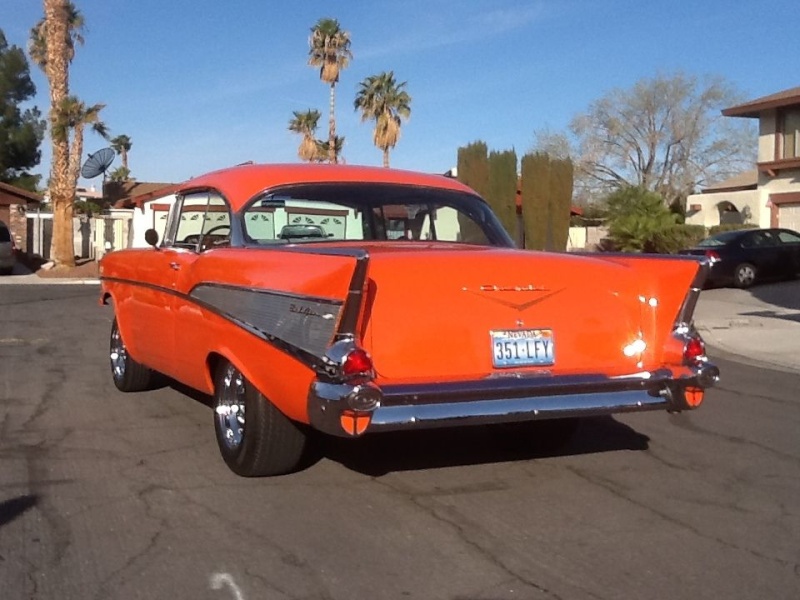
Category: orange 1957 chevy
<point>354,300</point>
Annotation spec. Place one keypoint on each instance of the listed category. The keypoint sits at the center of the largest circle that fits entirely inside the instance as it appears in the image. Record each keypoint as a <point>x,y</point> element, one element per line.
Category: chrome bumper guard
<point>503,399</point>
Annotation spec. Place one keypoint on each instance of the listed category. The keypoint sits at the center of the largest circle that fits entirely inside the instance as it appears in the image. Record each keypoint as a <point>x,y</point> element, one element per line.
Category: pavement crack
<point>614,489</point>
<point>733,439</point>
<point>440,515</point>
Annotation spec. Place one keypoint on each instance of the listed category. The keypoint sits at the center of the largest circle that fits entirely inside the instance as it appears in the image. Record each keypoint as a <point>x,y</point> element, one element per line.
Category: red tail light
<point>357,362</point>
<point>712,255</point>
<point>694,350</point>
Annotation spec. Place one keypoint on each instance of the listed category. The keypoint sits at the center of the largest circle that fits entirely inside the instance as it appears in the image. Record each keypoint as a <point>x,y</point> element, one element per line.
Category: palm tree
<point>122,145</point>
<point>383,100</point>
<point>120,174</point>
<point>330,51</point>
<point>324,148</point>
<point>305,123</point>
<point>37,46</point>
<point>75,116</point>
<point>56,32</point>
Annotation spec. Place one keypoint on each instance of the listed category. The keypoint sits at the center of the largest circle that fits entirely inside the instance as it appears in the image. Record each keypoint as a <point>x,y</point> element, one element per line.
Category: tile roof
<point>743,181</point>
<point>16,191</point>
<point>751,109</point>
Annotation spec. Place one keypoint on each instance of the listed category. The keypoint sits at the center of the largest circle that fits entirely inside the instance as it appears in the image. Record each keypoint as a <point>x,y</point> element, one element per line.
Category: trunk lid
<point>430,312</point>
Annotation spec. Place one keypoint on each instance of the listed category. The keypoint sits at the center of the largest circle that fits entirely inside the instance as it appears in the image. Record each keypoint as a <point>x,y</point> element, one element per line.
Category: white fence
<point>93,236</point>
<point>585,238</point>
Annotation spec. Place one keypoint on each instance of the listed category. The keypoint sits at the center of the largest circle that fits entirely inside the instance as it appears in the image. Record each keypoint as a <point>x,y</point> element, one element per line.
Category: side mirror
<point>151,237</point>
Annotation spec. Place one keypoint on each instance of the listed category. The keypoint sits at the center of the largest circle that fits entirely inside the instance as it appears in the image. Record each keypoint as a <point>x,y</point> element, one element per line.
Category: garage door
<point>789,216</point>
<point>4,214</point>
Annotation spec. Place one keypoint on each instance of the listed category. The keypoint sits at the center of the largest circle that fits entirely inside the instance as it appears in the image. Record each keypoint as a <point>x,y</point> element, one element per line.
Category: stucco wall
<point>744,201</point>
<point>766,136</point>
<point>150,216</point>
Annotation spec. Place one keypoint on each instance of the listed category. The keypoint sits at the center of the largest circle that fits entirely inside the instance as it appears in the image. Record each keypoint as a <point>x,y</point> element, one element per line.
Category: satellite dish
<point>97,163</point>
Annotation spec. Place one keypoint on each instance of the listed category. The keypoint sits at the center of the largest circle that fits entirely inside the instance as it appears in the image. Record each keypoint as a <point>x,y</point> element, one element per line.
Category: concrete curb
<point>34,279</point>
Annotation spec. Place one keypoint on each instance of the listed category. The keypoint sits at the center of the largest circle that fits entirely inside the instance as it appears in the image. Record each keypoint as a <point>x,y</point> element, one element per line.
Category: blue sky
<point>207,84</point>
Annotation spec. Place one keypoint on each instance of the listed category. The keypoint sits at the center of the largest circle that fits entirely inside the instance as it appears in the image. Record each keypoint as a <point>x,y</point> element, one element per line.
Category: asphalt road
<point>105,495</point>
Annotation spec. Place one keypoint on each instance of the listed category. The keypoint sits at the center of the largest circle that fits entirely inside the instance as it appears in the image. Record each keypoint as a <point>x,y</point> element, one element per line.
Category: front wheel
<point>128,375</point>
<point>254,437</point>
<point>745,275</point>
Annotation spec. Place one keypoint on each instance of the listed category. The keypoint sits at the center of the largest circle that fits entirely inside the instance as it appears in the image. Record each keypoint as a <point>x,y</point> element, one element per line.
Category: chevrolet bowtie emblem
<point>512,288</point>
<point>505,301</point>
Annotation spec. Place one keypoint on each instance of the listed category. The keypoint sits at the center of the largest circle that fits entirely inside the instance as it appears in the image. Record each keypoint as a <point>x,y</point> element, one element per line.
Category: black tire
<point>128,375</point>
<point>254,437</point>
<point>745,275</point>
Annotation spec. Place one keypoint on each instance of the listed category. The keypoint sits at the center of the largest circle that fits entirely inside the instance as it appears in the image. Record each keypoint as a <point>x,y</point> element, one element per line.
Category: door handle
<point>175,266</point>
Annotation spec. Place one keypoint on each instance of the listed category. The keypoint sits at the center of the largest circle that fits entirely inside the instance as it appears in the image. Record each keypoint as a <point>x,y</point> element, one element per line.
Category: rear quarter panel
<point>274,291</point>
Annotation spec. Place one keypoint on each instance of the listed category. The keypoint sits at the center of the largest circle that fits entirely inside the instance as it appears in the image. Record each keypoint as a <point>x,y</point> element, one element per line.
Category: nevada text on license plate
<point>522,347</point>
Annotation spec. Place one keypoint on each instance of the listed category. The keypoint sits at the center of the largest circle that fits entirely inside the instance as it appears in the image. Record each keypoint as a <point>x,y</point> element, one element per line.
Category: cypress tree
<point>502,189</point>
<point>473,167</point>
<point>535,204</point>
<point>561,178</point>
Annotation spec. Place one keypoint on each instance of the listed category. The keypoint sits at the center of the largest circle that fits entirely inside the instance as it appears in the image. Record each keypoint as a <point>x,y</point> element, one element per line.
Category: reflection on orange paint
<point>693,396</point>
<point>355,423</point>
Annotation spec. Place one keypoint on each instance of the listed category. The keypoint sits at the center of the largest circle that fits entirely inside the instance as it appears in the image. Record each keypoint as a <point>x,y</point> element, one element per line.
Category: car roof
<point>239,184</point>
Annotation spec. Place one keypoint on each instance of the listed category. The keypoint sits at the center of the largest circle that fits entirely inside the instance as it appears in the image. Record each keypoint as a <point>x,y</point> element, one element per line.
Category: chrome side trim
<point>686,312</point>
<point>305,323</point>
<point>355,298</point>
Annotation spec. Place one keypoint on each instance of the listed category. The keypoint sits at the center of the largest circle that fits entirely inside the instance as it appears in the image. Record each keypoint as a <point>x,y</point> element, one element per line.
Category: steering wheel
<point>213,229</point>
<point>194,238</point>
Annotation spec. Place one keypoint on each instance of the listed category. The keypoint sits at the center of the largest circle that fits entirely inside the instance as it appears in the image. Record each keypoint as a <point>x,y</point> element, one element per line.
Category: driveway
<point>760,325</point>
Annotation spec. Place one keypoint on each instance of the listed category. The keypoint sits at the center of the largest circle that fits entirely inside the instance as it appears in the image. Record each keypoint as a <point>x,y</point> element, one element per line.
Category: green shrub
<point>729,227</point>
<point>672,239</point>
<point>638,221</point>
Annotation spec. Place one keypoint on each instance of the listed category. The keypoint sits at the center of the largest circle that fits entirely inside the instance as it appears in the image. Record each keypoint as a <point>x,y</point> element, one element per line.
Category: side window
<point>754,240</point>
<point>770,239</point>
<point>203,222</point>
<point>787,237</point>
<point>217,224</point>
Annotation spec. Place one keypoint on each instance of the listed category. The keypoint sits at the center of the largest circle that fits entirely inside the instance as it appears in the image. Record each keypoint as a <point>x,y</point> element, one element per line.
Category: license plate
<point>522,347</point>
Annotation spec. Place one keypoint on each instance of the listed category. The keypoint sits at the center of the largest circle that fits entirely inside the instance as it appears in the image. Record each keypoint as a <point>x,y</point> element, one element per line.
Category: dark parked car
<point>746,256</point>
<point>7,250</point>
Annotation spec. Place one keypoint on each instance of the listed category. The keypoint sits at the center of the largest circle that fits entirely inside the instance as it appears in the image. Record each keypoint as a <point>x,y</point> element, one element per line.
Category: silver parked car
<point>7,250</point>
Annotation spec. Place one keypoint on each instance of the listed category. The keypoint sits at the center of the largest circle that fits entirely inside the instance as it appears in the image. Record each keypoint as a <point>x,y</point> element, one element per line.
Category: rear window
<point>5,235</point>
<point>721,239</point>
<point>370,212</point>
<point>789,237</point>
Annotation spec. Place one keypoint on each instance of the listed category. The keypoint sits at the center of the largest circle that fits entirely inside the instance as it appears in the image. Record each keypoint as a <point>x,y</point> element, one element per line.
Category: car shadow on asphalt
<point>15,507</point>
<point>383,453</point>
<point>771,314</point>
<point>785,294</point>
<point>380,454</point>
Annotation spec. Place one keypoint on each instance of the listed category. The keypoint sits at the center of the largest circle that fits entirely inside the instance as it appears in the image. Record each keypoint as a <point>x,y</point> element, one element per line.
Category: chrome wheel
<point>230,408</point>
<point>118,355</point>
<point>745,275</point>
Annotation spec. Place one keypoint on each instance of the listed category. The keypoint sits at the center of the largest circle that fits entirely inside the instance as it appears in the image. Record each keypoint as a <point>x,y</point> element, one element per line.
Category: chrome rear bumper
<point>503,399</point>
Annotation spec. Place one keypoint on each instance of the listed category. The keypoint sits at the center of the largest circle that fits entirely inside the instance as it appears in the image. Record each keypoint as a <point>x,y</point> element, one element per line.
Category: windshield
<point>372,212</point>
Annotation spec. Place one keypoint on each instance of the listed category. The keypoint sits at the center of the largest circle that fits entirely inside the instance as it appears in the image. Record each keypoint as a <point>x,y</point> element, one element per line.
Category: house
<point>14,202</point>
<point>150,210</point>
<point>770,195</point>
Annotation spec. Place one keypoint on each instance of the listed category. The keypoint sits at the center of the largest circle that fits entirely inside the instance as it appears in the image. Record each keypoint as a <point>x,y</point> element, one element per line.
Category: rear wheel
<point>254,437</point>
<point>128,375</point>
<point>745,275</point>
